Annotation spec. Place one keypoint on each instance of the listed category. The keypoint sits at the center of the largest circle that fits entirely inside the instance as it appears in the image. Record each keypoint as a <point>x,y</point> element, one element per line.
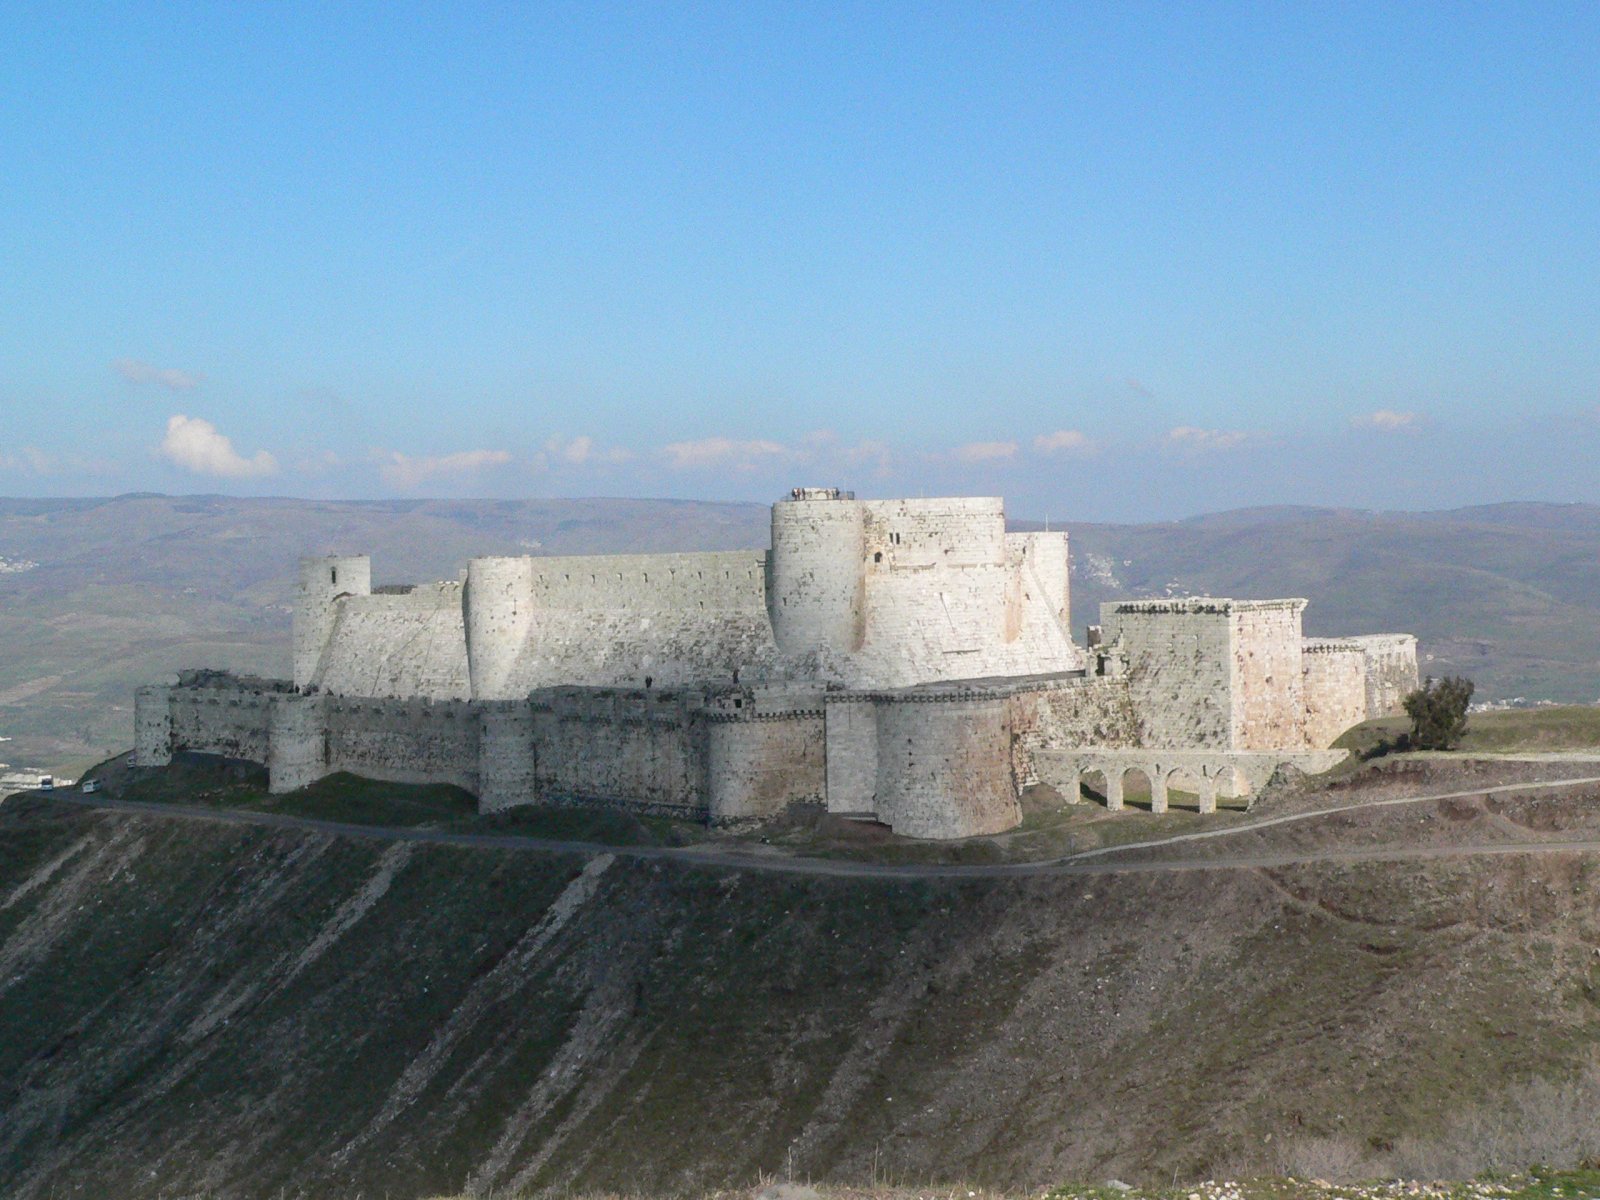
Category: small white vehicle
<point>47,783</point>
<point>89,785</point>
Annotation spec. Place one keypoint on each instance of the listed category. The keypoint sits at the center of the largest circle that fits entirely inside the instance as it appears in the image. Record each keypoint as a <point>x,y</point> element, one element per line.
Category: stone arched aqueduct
<point>1214,772</point>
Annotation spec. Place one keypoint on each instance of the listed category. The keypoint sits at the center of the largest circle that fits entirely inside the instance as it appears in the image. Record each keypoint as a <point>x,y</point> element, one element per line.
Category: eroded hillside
<point>189,1007</point>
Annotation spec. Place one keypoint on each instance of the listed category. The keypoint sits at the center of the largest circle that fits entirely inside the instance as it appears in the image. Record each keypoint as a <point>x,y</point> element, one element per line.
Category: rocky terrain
<point>192,1008</point>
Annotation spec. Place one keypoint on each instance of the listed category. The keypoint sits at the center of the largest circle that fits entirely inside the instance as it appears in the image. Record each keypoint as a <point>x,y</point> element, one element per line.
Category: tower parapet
<point>322,581</point>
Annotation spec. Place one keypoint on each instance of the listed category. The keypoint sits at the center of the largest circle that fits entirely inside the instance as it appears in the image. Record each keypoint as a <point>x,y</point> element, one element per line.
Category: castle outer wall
<point>903,660</point>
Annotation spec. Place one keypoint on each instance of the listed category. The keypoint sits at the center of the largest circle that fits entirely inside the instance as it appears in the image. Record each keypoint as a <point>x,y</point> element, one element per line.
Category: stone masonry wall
<point>1179,668</point>
<point>944,767</point>
<point>1268,696</point>
<point>1391,671</point>
<point>1067,716</point>
<point>637,749</point>
<point>851,737</point>
<point>298,754</point>
<point>949,595</point>
<point>757,768</point>
<point>652,583</point>
<point>406,741</point>
<point>152,726</point>
<point>231,721</point>
<point>497,611</point>
<point>409,645</point>
<point>621,649</point>
<point>1334,675</point>
<point>508,757</point>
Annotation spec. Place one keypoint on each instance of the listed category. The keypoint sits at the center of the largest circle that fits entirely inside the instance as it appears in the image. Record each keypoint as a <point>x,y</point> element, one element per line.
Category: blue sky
<point>1114,262</point>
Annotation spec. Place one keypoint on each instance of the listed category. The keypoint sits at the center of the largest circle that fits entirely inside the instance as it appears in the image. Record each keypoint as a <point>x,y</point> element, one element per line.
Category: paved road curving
<point>745,858</point>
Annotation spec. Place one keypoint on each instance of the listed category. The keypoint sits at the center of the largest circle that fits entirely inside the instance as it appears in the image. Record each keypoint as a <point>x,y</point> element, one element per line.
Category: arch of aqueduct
<point>1213,772</point>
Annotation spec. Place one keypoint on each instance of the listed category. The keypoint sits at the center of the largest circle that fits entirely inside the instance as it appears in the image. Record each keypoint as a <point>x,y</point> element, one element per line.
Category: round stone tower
<point>322,581</point>
<point>499,612</point>
<point>817,571</point>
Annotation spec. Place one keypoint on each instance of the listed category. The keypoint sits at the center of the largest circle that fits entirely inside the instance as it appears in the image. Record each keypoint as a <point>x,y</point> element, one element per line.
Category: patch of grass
<point>612,826</point>
<point>215,782</point>
<point>1370,739</point>
<point>355,800</point>
<point>1553,729</point>
<point>1564,727</point>
<point>188,779</point>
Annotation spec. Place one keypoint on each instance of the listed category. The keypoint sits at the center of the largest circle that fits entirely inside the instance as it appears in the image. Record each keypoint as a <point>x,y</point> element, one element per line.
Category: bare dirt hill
<point>194,1008</point>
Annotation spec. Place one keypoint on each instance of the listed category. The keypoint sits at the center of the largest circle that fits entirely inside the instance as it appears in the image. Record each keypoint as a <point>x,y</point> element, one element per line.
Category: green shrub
<point>1438,712</point>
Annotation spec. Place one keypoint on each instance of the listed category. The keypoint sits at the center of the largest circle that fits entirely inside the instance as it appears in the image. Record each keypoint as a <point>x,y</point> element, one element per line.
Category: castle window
<point>878,557</point>
<point>333,575</point>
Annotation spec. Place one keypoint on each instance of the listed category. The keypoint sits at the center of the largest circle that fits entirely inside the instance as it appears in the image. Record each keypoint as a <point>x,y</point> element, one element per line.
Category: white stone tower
<point>815,594</point>
<point>499,612</point>
<point>322,581</point>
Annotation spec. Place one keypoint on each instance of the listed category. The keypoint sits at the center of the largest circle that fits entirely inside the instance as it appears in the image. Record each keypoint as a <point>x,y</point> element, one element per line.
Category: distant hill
<point>97,596</point>
<point>1508,595</point>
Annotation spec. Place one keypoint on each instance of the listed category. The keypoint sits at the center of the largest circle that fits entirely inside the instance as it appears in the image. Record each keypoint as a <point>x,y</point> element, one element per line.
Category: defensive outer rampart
<point>903,660</point>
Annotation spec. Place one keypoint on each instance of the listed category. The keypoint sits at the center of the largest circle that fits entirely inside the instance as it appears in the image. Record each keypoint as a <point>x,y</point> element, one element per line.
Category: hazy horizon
<point>1013,513</point>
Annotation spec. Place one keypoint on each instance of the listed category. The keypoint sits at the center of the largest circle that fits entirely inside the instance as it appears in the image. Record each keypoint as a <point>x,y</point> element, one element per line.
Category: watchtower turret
<point>322,581</point>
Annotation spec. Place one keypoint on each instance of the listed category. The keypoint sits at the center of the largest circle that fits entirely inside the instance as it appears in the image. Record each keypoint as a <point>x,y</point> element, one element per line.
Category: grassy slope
<point>243,1011</point>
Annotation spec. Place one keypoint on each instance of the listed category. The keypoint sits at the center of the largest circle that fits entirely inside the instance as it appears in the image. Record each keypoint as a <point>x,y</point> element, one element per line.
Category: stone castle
<point>907,661</point>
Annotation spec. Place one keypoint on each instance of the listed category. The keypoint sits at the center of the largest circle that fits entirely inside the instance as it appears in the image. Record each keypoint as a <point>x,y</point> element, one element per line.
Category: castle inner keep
<point>906,661</point>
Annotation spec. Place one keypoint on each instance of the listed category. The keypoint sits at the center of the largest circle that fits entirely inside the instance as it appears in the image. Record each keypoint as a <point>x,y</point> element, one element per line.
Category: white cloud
<point>135,371</point>
<point>976,452</point>
<point>1188,437</point>
<point>404,471</point>
<point>198,446</point>
<point>27,460</point>
<point>1389,421</point>
<point>720,452</point>
<point>876,455</point>
<point>582,451</point>
<point>1061,441</point>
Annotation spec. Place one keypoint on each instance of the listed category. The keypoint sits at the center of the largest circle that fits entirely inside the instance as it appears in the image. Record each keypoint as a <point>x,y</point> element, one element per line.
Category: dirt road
<point>1090,862</point>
